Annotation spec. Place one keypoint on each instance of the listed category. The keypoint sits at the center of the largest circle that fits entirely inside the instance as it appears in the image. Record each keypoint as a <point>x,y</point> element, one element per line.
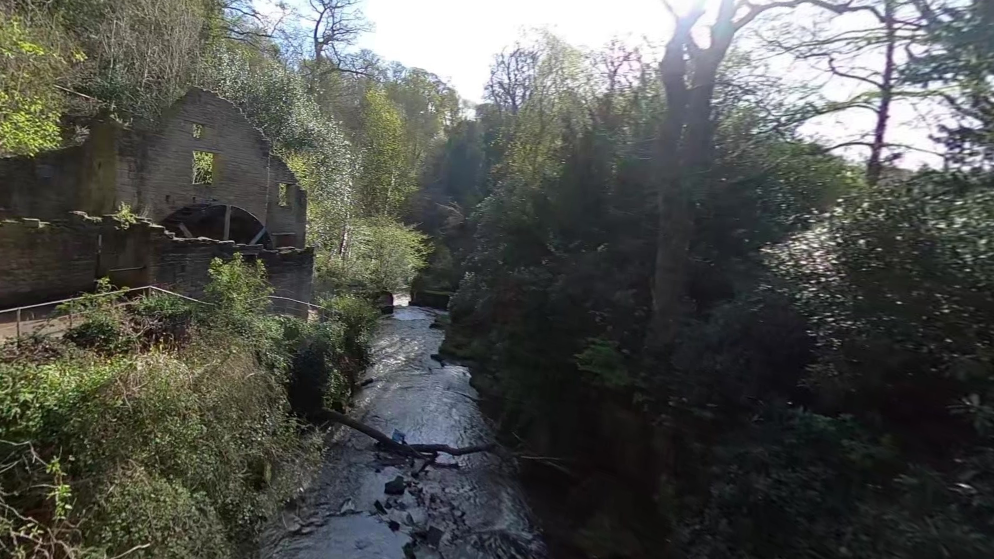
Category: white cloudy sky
<point>457,40</point>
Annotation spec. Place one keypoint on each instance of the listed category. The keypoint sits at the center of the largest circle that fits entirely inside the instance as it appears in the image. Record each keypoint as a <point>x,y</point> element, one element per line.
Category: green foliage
<point>181,524</point>
<point>384,181</point>
<point>178,449</point>
<point>101,325</point>
<point>381,255</point>
<point>30,105</point>
<point>125,216</point>
<point>238,294</point>
<point>602,359</point>
<point>829,391</point>
<point>959,63</point>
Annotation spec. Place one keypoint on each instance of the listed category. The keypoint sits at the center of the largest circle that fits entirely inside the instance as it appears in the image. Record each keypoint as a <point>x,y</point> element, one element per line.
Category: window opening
<point>203,167</point>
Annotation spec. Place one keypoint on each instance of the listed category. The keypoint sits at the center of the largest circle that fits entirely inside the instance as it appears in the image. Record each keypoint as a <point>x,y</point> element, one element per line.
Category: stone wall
<point>152,171</point>
<point>286,223</point>
<point>290,272</point>
<point>162,181</point>
<point>45,261</point>
<point>54,183</point>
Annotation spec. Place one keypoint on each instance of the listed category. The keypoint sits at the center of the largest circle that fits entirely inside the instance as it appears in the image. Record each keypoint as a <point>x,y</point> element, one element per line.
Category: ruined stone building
<point>204,184</point>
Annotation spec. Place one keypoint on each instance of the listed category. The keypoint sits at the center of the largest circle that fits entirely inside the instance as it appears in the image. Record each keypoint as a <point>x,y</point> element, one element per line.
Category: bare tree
<point>512,78</point>
<point>246,24</point>
<point>867,56</point>
<point>337,25</point>
<point>685,143</point>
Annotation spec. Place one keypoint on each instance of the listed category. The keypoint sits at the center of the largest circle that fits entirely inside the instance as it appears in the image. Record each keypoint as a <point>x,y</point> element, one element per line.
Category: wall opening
<point>284,195</point>
<point>203,167</point>
<point>198,130</point>
<point>208,220</point>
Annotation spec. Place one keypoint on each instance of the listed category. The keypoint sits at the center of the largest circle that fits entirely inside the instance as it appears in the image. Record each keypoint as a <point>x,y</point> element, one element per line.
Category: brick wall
<point>163,164</point>
<point>287,223</point>
<point>153,171</point>
<point>54,183</point>
<point>44,261</point>
<point>290,272</point>
<point>43,187</point>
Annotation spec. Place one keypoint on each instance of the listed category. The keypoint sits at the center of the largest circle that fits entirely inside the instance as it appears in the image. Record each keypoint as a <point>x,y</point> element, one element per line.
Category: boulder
<point>395,487</point>
<point>432,299</point>
<point>384,301</point>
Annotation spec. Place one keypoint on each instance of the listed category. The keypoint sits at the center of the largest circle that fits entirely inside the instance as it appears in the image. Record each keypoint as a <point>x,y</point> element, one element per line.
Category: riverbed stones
<point>434,536</point>
<point>395,487</point>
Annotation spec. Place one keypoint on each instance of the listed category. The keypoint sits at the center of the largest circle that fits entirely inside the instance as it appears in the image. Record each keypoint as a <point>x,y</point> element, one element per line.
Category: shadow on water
<point>467,507</point>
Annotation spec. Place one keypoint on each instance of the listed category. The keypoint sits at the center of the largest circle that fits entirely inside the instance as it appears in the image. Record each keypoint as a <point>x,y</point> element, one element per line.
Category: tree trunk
<point>686,151</point>
<point>874,166</point>
<point>674,213</point>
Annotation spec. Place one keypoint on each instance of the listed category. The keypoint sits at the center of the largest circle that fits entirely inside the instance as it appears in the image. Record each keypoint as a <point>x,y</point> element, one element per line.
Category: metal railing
<point>24,317</point>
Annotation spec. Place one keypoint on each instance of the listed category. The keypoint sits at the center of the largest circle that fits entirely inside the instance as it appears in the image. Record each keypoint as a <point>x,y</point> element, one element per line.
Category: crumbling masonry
<point>205,185</point>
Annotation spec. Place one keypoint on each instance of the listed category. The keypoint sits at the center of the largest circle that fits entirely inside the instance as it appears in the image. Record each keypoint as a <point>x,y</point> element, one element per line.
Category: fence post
<point>17,321</point>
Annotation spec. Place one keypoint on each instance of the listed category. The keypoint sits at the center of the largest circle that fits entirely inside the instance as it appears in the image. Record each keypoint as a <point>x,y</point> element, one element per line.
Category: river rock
<point>432,299</point>
<point>384,300</point>
<point>434,536</point>
<point>395,487</point>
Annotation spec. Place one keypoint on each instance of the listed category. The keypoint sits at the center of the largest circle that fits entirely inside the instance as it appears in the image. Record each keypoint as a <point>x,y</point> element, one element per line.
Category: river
<point>467,507</point>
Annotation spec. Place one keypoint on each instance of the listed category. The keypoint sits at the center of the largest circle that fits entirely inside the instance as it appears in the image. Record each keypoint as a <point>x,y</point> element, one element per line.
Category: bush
<point>171,450</point>
<point>181,524</point>
<point>382,255</point>
<point>164,318</point>
<point>319,376</point>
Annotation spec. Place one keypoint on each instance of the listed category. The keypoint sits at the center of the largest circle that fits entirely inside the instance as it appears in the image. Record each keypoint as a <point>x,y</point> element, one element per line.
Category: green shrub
<point>163,317</point>
<point>382,255</point>
<point>170,450</point>
<point>315,380</point>
<point>326,358</point>
<point>180,524</point>
<point>103,327</point>
<point>238,294</point>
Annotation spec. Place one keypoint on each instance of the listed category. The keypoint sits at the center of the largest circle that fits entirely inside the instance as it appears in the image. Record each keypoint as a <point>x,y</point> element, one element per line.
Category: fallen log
<point>422,451</point>
<point>446,449</point>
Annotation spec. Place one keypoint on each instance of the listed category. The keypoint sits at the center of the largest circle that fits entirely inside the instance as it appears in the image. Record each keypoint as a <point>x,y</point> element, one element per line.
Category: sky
<point>457,40</point>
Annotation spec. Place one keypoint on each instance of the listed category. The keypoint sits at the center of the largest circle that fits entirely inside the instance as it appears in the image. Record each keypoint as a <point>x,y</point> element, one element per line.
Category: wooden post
<point>18,324</point>
<point>257,236</point>
<point>227,222</point>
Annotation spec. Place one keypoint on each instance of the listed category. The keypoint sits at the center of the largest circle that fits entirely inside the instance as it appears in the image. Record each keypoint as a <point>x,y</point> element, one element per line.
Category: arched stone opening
<point>218,221</point>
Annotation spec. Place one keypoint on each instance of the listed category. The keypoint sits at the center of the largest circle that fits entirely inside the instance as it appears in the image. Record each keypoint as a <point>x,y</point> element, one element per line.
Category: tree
<point>866,49</point>
<point>384,180</point>
<point>336,25</point>
<point>688,73</point>
<point>31,104</point>
<point>959,63</point>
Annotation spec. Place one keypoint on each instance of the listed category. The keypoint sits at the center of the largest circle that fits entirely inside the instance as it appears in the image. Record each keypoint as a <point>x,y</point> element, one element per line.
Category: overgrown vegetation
<point>737,342</point>
<point>167,428</point>
<point>356,141</point>
<point>803,368</point>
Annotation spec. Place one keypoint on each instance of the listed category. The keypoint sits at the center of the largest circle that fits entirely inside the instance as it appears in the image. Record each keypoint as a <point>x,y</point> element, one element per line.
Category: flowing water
<point>467,507</point>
